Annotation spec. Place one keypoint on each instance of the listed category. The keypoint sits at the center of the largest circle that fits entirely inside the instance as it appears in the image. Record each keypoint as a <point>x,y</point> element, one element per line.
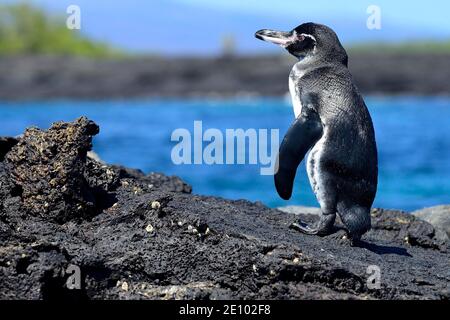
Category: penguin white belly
<point>296,103</point>
<point>313,168</point>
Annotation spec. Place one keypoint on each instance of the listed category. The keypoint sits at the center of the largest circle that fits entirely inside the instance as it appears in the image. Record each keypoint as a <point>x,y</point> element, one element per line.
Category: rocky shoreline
<point>137,236</point>
<point>50,77</point>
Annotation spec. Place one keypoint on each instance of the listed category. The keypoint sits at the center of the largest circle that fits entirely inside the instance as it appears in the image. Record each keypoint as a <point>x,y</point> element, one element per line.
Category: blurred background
<point>142,69</point>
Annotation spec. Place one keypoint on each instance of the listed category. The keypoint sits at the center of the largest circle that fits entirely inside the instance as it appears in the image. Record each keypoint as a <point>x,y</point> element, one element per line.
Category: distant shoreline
<point>205,98</point>
<point>47,77</point>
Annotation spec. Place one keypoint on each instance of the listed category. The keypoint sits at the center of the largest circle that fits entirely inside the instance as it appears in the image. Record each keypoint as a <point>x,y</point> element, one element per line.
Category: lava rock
<point>147,237</point>
<point>6,144</point>
<point>439,217</point>
<point>48,169</point>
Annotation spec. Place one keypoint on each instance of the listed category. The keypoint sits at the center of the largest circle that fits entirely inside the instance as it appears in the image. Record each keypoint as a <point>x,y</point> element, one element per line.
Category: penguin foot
<point>355,241</point>
<point>323,228</point>
<point>303,228</point>
<point>346,238</point>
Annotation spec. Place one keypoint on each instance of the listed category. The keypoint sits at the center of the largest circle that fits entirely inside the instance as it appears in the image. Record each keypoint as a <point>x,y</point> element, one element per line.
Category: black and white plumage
<point>333,124</point>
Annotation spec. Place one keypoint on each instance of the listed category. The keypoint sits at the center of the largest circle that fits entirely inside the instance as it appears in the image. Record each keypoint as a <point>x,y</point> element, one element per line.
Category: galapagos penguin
<point>333,123</point>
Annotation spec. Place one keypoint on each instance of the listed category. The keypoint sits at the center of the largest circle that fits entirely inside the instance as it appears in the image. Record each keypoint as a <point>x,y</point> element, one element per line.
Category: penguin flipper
<point>301,136</point>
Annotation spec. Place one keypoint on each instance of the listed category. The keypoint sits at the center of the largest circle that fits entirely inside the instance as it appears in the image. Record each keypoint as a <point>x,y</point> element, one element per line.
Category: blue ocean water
<point>413,136</point>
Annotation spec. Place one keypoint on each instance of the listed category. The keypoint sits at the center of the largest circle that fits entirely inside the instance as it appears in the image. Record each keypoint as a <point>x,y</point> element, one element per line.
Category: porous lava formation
<point>137,236</point>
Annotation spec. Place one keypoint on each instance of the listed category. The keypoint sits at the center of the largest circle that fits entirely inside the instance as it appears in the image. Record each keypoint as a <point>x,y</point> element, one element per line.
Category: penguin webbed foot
<point>355,241</point>
<point>305,228</point>
<point>323,228</point>
<point>344,237</point>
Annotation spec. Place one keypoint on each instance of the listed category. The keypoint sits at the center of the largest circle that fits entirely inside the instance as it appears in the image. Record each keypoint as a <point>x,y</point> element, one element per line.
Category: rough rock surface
<point>438,216</point>
<point>142,236</point>
<point>49,174</point>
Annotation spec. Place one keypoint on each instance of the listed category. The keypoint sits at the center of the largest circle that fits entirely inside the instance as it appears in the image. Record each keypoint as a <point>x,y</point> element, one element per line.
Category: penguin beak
<point>280,38</point>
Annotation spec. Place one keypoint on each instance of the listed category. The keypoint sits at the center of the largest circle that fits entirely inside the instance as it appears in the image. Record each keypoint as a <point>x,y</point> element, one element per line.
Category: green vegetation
<point>430,47</point>
<point>25,29</point>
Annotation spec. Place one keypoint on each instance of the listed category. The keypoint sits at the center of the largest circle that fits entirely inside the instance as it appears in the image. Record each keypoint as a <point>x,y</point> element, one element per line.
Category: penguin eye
<point>301,37</point>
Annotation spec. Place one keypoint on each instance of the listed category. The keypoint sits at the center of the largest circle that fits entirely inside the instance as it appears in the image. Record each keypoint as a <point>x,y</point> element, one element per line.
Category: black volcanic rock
<point>6,143</point>
<point>147,237</point>
<point>47,169</point>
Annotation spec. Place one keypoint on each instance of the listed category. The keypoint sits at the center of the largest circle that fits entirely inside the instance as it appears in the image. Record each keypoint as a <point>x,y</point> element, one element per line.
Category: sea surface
<point>413,137</point>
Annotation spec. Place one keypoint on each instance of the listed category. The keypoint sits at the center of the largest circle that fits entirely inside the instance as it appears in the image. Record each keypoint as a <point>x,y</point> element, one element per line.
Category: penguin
<point>333,124</point>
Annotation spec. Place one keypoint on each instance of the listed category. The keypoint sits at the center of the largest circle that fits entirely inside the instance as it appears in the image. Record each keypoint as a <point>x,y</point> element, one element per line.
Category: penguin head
<point>314,41</point>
